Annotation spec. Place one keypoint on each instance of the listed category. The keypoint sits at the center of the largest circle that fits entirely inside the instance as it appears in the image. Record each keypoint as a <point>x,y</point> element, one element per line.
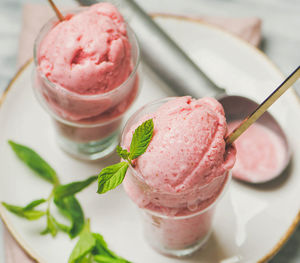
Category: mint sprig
<point>91,247</point>
<point>67,204</point>
<point>112,176</point>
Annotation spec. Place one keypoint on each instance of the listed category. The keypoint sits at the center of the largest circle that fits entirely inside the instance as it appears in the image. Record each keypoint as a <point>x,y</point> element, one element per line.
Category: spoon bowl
<point>237,108</point>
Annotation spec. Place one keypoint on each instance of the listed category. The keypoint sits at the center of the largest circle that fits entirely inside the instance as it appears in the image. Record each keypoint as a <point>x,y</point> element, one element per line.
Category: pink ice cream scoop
<point>88,53</point>
<point>182,172</point>
<point>87,60</point>
<point>186,154</point>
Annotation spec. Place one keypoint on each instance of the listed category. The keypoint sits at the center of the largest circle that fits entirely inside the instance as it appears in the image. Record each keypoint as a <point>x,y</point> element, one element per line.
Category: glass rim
<point>52,21</point>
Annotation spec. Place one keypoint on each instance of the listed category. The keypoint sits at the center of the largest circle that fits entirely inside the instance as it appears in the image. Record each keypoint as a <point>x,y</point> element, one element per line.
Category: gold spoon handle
<point>262,108</point>
<point>56,10</point>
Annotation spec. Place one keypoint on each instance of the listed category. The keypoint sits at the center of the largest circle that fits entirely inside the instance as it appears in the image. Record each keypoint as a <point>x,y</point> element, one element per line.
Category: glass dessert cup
<point>77,133</point>
<point>174,224</point>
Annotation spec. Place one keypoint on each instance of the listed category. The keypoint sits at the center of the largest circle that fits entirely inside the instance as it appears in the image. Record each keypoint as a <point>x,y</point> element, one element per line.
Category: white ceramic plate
<point>252,223</point>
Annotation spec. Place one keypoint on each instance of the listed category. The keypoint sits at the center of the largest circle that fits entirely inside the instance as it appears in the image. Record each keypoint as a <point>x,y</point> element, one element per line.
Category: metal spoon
<point>234,107</point>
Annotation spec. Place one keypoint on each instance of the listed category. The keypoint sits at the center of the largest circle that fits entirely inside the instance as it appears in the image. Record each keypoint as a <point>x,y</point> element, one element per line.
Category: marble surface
<point>281,41</point>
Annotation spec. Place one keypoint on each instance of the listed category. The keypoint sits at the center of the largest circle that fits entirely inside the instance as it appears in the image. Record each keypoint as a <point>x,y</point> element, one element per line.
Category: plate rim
<point>290,230</point>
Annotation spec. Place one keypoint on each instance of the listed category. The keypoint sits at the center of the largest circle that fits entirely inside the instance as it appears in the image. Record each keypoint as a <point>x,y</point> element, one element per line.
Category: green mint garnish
<point>71,208</point>
<point>122,153</point>
<point>34,204</point>
<point>112,176</point>
<point>51,226</point>
<point>63,191</point>
<point>67,204</point>
<point>29,214</point>
<point>141,139</point>
<point>91,247</point>
<point>84,246</point>
<point>35,162</point>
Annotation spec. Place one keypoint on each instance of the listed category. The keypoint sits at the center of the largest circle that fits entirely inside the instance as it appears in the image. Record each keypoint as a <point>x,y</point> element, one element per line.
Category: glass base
<point>181,252</point>
<point>93,150</point>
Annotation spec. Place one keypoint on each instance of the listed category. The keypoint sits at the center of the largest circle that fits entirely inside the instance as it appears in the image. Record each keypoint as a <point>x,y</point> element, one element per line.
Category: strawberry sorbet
<point>86,75</point>
<point>88,53</point>
<point>183,170</point>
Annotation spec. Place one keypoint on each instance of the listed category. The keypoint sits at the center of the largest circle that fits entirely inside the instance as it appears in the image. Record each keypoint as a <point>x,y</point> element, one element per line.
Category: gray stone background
<point>281,42</point>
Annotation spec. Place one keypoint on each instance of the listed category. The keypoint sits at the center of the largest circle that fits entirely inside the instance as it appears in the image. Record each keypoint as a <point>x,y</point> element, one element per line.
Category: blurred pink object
<point>35,15</point>
<point>13,252</point>
<point>248,29</point>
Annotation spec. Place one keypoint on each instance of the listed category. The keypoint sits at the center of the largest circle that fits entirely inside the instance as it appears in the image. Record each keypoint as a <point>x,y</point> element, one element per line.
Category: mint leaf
<point>141,139</point>
<point>122,152</point>
<point>84,246</point>
<point>107,259</point>
<point>62,227</point>
<point>62,191</point>
<point>111,176</point>
<point>101,246</point>
<point>35,162</point>
<point>70,207</point>
<point>28,214</point>
<point>33,214</point>
<point>101,249</point>
<point>51,226</point>
<point>87,259</point>
<point>34,204</point>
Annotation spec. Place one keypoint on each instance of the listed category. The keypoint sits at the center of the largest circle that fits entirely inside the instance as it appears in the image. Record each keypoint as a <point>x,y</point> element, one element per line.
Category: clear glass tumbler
<point>175,224</point>
<point>78,134</point>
